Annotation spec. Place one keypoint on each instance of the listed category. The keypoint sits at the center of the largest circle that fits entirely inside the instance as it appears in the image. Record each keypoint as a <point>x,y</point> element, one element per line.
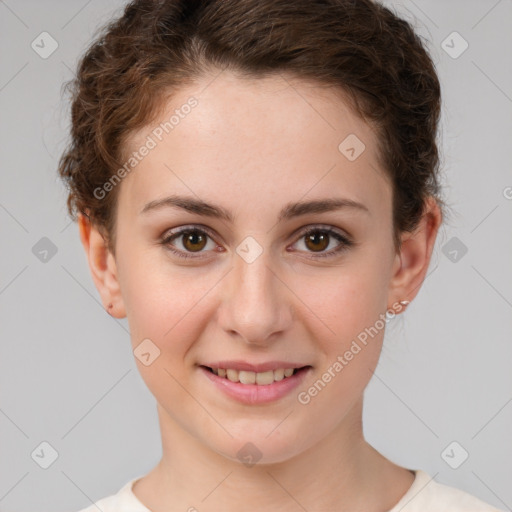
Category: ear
<point>412,262</point>
<point>103,267</point>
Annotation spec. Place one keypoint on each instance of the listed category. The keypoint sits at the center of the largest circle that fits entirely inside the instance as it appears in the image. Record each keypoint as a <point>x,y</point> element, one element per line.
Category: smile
<point>259,378</point>
<point>251,387</point>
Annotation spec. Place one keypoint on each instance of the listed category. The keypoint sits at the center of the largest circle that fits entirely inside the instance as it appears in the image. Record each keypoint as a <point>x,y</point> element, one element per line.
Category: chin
<point>257,447</point>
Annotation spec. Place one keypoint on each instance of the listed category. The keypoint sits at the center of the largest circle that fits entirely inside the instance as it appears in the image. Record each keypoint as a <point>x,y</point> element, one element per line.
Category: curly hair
<point>155,47</point>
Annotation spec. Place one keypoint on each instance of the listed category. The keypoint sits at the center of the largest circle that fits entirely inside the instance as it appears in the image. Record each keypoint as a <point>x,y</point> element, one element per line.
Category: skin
<point>252,147</point>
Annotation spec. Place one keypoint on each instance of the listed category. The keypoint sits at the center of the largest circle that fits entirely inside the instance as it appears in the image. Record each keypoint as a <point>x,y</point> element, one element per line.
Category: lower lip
<point>254,393</point>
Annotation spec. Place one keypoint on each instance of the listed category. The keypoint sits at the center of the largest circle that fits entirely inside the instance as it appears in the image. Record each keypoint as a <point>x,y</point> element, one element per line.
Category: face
<point>271,284</point>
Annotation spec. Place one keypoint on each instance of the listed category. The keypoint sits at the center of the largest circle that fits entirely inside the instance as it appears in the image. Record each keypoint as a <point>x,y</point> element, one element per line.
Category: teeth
<point>260,378</point>
<point>279,374</point>
<point>232,375</point>
<point>247,377</point>
<point>264,378</point>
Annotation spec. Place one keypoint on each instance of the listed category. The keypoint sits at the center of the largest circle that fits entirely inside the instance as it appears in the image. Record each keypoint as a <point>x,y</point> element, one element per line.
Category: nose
<point>255,305</point>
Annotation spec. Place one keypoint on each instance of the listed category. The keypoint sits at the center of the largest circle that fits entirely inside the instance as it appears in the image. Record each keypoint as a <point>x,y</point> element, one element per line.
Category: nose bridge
<point>254,305</point>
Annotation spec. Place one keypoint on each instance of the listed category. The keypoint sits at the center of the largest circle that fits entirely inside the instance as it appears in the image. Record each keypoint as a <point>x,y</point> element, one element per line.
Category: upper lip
<point>254,367</point>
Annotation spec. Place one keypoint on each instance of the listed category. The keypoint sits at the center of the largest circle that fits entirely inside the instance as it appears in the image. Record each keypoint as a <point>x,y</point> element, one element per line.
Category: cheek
<point>347,298</point>
<point>164,303</point>
<point>350,300</point>
<point>352,306</point>
<point>170,308</point>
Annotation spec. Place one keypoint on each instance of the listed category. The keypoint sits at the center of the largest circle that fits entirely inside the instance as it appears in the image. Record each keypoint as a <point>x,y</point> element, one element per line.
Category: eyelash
<point>345,243</point>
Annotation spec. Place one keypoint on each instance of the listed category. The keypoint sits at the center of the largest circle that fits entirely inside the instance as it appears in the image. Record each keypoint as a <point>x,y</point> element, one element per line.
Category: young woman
<point>256,188</point>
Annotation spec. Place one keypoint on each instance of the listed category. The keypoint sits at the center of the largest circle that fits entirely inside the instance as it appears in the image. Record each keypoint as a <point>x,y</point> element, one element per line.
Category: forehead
<point>262,138</point>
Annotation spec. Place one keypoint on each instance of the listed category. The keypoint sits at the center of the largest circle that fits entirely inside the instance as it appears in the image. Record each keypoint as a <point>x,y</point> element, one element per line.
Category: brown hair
<point>156,46</point>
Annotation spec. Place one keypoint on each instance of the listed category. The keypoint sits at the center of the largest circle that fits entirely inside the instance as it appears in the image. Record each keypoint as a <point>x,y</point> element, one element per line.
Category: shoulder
<point>426,494</point>
<point>122,501</point>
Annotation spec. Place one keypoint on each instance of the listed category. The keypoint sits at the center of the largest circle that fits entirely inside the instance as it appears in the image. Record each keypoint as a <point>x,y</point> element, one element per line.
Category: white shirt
<point>424,495</point>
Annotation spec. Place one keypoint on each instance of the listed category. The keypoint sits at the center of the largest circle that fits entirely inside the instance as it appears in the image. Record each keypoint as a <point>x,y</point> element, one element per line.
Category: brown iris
<point>319,240</point>
<point>192,238</point>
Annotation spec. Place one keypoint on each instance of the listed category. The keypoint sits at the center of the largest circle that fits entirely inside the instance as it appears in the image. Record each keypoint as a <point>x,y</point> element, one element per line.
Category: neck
<point>342,472</point>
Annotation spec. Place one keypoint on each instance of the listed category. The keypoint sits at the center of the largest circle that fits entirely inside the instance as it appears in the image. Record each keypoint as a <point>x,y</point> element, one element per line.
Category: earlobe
<point>102,265</point>
<point>412,263</point>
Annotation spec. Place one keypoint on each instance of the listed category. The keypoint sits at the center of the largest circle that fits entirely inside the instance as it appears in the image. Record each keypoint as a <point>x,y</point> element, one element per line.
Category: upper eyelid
<point>192,227</point>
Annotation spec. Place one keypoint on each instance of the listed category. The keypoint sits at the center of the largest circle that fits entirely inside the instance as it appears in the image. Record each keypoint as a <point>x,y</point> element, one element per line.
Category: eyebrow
<point>289,211</point>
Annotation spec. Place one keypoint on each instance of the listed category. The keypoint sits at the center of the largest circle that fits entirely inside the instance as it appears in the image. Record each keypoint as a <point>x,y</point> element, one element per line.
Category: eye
<point>317,239</point>
<point>191,239</point>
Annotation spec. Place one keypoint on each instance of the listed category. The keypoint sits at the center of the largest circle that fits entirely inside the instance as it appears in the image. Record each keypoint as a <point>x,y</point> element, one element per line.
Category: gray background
<point>67,374</point>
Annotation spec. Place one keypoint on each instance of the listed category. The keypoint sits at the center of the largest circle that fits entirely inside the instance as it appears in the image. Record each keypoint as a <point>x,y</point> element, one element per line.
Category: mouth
<point>246,377</point>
